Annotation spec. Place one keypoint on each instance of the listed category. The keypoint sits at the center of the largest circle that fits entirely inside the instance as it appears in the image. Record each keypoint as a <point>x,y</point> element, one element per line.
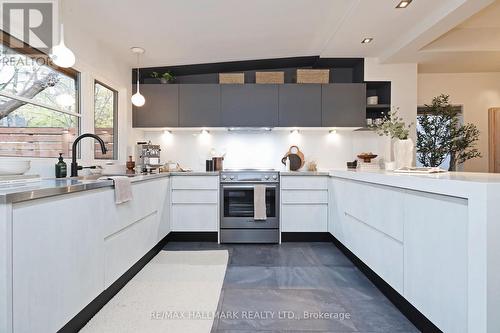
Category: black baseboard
<point>83,317</point>
<point>306,237</point>
<point>408,310</point>
<point>184,236</point>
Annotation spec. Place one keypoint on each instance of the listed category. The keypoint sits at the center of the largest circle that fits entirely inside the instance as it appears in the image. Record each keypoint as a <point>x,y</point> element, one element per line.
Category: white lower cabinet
<point>195,203</point>
<point>58,256</point>
<point>304,203</point>
<point>415,241</point>
<point>436,258</point>
<point>67,249</point>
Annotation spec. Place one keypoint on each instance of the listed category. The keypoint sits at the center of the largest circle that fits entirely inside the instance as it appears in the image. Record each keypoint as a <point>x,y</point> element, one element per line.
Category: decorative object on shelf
<point>352,165</point>
<point>166,77</point>
<point>231,78</point>
<point>390,166</point>
<point>367,157</point>
<point>441,135</point>
<point>394,126</point>
<point>369,166</point>
<point>130,165</point>
<point>312,166</point>
<point>296,158</point>
<point>313,75</point>
<point>270,77</point>
<point>137,99</point>
<point>372,100</point>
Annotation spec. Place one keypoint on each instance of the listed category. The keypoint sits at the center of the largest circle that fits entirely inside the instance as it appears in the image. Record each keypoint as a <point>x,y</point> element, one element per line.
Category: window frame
<point>22,48</point>
<point>115,119</point>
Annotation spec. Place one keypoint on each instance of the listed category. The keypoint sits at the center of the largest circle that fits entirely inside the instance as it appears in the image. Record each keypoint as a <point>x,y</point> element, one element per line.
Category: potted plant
<point>392,125</point>
<point>166,77</point>
<point>440,135</point>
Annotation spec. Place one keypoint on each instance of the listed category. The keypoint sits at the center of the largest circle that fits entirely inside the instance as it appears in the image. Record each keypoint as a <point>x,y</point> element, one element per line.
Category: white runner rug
<point>177,291</point>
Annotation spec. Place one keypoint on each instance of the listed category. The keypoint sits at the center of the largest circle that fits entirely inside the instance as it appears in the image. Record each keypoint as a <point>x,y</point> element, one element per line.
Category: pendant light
<point>61,55</point>
<point>137,99</point>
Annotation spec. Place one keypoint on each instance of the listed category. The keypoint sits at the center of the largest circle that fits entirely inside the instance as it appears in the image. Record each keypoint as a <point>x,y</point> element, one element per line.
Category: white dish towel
<point>123,189</point>
<point>259,203</point>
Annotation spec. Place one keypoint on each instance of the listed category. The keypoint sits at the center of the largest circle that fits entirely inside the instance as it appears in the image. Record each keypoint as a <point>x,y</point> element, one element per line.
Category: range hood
<point>249,129</point>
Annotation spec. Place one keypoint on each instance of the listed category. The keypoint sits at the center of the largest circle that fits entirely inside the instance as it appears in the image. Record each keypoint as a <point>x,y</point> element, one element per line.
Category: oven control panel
<point>249,177</point>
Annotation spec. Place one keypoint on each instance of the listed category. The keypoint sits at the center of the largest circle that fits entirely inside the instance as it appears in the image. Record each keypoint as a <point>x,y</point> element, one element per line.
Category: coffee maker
<point>147,156</point>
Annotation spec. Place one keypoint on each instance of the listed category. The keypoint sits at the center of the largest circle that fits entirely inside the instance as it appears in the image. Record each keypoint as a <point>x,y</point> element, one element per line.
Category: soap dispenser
<point>61,168</point>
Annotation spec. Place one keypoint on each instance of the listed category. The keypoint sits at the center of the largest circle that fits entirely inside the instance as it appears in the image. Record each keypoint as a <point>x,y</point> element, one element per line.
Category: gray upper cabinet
<point>300,105</point>
<point>161,108</point>
<point>343,105</point>
<point>251,105</point>
<point>199,105</point>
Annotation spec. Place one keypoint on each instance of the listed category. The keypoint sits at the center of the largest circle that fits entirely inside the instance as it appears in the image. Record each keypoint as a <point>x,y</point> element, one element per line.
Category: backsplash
<point>265,149</point>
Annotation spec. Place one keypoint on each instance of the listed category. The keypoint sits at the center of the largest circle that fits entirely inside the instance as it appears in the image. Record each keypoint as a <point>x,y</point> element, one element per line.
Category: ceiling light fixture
<point>404,4</point>
<point>137,99</point>
<point>367,40</point>
<point>61,55</point>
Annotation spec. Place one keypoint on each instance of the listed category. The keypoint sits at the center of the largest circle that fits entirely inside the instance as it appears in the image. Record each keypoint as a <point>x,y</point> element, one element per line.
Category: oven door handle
<point>246,186</point>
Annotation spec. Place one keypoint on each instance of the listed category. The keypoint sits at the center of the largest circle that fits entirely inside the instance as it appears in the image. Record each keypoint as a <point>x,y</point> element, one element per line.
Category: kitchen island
<point>433,238</point>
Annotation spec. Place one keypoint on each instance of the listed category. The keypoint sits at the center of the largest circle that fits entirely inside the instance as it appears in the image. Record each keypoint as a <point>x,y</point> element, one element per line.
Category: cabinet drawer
<point>195,182</point>
<point>304,197</point>
<point>124,248</point>
<point>195,197</point>
<point>304,182</point>
<point>380,207</point>
<point>195,217</point>
<point>304,218</point>
<point>381,253</point>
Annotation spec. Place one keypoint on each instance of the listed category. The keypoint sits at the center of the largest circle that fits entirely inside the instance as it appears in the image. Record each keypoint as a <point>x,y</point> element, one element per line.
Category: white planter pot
<point>403,153</point>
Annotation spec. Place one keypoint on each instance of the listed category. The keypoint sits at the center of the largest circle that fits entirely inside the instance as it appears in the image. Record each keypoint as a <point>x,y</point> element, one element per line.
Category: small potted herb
<point>166,77</point>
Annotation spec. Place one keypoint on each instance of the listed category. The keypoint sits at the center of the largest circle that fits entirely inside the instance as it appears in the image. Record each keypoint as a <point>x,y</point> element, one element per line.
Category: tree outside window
<point>105,118</point>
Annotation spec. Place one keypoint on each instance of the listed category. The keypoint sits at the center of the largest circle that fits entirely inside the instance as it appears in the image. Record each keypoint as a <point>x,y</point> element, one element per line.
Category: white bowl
<point>13,166</point>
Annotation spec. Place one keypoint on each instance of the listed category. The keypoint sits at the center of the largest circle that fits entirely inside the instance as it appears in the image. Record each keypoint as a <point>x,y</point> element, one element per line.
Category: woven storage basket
<point>270,77</point>
<point>231,78</point>
<point>313,75</point>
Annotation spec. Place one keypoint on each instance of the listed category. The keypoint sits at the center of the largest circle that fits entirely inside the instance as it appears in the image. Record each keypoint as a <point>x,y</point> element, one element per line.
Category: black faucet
<point>74,165</point>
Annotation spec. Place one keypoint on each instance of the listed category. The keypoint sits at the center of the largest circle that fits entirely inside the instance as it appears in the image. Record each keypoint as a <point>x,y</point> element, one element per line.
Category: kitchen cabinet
<point>436,258</point>
<point>199,105</point>
<point>300,105</point>
<point>58,256</point>
<point>343,105</point>
<point>250,105</point>
<point>195,203</point>
<point>161,108</point>
<point>304,203</point>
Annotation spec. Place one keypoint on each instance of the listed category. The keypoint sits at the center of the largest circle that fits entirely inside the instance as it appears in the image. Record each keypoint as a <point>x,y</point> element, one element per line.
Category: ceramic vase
<point>403,153</point>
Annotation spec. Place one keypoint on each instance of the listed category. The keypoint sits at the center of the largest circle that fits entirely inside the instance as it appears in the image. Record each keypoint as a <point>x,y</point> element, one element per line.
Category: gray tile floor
<point>272,288</point>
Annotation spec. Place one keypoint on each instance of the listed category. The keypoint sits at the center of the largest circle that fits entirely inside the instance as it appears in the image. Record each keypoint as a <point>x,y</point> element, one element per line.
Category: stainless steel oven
<point>237,207</point>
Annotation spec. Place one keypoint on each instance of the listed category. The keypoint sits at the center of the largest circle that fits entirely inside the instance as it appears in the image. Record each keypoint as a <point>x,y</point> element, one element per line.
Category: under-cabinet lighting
<point>367,40</point>
<point>404,4</point>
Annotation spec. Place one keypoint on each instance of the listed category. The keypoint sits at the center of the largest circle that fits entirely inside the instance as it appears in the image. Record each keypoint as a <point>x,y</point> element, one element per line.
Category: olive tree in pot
<point>441,135</point>
<point>395,127</point>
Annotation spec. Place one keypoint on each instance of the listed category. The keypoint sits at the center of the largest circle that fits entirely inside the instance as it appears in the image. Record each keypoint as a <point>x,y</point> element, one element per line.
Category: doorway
<point>494,139</point>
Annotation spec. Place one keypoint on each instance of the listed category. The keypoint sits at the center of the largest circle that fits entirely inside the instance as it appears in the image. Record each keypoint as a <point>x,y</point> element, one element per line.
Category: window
<point>105,117</point>
<point>39,114</point>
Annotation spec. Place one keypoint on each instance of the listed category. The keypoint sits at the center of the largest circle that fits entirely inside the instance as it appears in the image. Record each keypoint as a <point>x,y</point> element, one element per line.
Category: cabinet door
<point>300,105</point>
<point>161,108</point>
<point>436,258</point>
<point>249,105</point>
<point>343,105</point>
<point>304,218</point>
<point>199,105</point>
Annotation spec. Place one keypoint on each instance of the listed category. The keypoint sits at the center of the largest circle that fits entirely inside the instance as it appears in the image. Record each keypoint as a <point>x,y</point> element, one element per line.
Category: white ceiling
<point>176,32</point>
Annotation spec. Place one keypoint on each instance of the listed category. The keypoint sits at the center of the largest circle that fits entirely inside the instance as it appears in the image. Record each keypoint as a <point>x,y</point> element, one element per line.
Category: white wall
<point>477,92</point>
<point>265,149</point>
<point>95,61</point>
